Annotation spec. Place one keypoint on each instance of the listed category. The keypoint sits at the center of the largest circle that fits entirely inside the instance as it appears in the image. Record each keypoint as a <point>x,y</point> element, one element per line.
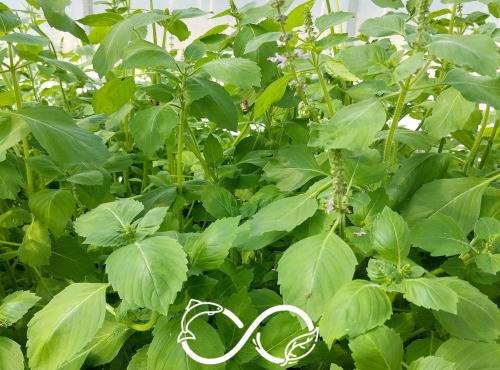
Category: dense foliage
<point>266,163</point>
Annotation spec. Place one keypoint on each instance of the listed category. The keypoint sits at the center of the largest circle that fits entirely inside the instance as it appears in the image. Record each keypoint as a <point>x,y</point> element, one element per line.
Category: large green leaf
<point>70,260</point>
<point>354,127</point>
<point>151,127</point>
<point>15,305</point>
<point>292,167</point>
<point>477,89</point>
<point>272,94</point>
<point>440,235</point>
<point>431,363</point>
<point>27,39</point>
<point>67,66</point>
<point>165,353</point>
<point>415,171</point>
<point>391,236</point>
<point>257,41</point>
<point>56,333</point>
<point>379,349</point>
<point>215,103</point>
<point>106,225</point>
<point>219,202</point>
<point>477,317</point>
<point>468,355</point>
<point>332,19</point>
<point>211,248</point>
<point>10,181</point>
<point>54,207</point>
<point>284,214</point>
<point>148,273</point>
<point>113,95</point>
<point>140,360</point>
<point>458,198</point>
<point>364,167</point>
<point>11,356</point>
<point>431,293</point>
<point>476,51</point>
<point>62,138</point>
<point>325,262</point>
<point>450,114</point>
<point>346,313</point>
<point>35,249</point>
<point>141,54</point>
<point>365,61</point>
<point>388,25</point>
<point>241,72</point>
<point>12,130</point>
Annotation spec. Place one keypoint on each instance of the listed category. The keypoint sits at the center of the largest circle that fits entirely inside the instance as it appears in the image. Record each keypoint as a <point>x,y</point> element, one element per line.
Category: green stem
<point>110,309</point>
<point>146,326</point>
<point>196,151</point>
<point>421,72</point>
<point>10,243</point>
<point>155,40</point>
<point>395,121</point>
<point>144,175</point>
<point>26,148</point>
<point>477,142</point>
<point>180,140</point>
<point>452,19</point>
<point>323,84</point>
<point>490,144</point>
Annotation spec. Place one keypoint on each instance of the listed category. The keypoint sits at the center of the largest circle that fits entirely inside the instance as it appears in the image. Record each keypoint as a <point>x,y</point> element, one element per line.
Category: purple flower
<point>329,208</point>
<point>278,58</point>
<point>299,53</point>
<point>360,233</point>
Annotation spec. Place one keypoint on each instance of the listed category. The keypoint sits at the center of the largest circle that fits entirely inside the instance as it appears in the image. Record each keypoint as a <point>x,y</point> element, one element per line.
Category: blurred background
<point>198,26</point>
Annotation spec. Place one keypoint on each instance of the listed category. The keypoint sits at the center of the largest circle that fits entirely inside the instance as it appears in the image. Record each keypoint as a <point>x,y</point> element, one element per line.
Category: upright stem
<point>26,148</point>
<point>479,138</point>
<point>490,144</point>
<point>452,19</point>
<point>155,40</point>
<point>395,120</point>
<point>323,84</point>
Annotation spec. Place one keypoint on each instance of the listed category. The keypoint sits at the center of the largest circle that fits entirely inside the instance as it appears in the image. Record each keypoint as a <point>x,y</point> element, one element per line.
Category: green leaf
<point>216,103</point>
<point>10,181</point>
<point>151,127</point>
<point>248,242</point>
<point>487,228</point>
<point>219,202</point>
<point>107,19</point>
<point>27,39</point>
<point>12,130</point>
<point>450,114</point>
<point>257,41</point>
<point>379,349</point>
<point>391,236</point>
<point>477,317</point>
<point>431,363</point>
<point>326,261</point>
<point>415,171</point>
<point>407,67</point>
<point>165,353</point>
<point>11,356</point>
<point>332,19</point>
<point>56,333</point>
<point>139,361</point>
<point>195,52</point>
<point>142,54</point>
<point>346,313</point>
<point>8,21</point>
<point>292,167</point>
<point>283,214</point>
<point>440,235</point>
<point>388,25</point>
<point>54,207</point>
<point>211,248</point>
<point>365,61</point>
<point>353,127</point>
<point>35,249</point>
<point>62,138</point>
<point>106,224</point>
<point>70,260</point>
<point>395,4</point>
<point>458,198</point>
<point>112,47</point>
<point>241,72</point>
<point>87,178</point>
<point>66,66</point>
<point>430,293</point>
<point>476,51</point>
<point>44,165</point>
<point>477,89</point>
<point>489,263</point>
<point>113,95</point>
<point>150,223</point>
<point>212,151</point>
<point>468,355</point>
<point>364,167</point>
<point>148,273</point>
<point>272,94</point>
<point>15,305</point>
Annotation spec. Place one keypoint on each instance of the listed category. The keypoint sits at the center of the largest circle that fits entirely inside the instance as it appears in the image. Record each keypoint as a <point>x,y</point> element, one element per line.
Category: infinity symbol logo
<point>209,308</point>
